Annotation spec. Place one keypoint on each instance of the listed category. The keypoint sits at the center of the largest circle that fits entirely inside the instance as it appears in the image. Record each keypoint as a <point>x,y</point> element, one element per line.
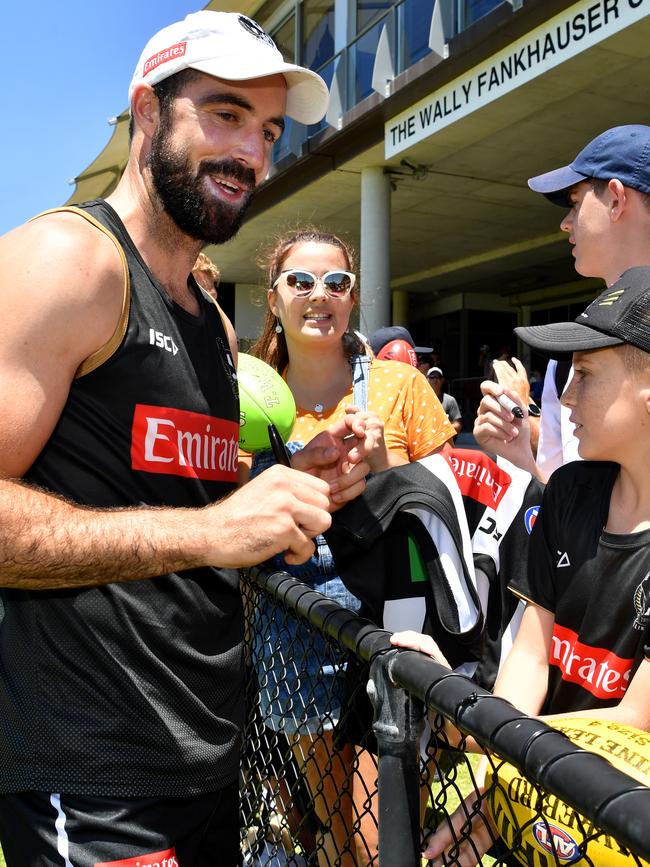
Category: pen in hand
<point>280,451</point>
<point>509,404</point>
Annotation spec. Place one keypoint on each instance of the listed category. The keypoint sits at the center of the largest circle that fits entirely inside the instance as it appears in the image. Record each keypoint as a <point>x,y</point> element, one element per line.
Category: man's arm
<point>58,309</point>
<point>47,542</point>
<point>62,289</point>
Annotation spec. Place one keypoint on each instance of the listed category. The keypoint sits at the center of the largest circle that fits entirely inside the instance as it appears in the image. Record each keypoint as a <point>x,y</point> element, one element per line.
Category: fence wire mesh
<point>309,780</point>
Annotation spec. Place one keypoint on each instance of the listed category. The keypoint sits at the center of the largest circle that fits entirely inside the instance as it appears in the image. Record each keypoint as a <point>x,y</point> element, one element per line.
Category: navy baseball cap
<point>620,314</point>
<point>395,332</point>
<point>622,152</point>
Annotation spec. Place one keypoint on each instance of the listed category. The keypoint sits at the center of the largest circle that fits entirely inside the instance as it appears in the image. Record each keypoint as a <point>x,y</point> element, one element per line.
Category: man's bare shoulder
<point>65,245</point>
<point>63,267</point>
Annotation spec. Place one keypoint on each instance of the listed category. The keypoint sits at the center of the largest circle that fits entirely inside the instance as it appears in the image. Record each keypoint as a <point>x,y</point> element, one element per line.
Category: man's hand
<point>279,511</point>
<point>497,430</point>
<point>342,455</point>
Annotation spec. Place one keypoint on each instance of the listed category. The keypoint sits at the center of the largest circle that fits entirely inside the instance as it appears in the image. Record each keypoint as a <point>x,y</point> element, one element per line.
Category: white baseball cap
<point>230,46</point>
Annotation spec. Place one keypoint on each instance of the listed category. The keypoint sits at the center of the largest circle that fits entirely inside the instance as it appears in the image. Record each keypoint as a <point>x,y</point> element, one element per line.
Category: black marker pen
<point>509,404</point>
<point>280,451</point>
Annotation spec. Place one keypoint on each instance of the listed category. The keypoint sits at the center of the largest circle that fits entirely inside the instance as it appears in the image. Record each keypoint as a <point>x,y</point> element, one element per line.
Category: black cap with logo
<point>621,314</point>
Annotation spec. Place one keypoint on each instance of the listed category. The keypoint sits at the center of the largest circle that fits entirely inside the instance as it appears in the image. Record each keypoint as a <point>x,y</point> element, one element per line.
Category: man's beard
<point>183,194</point>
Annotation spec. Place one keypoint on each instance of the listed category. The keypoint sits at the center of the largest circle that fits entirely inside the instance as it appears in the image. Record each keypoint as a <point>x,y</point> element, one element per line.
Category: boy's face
<point>588,226</point>
<point>607,402</point>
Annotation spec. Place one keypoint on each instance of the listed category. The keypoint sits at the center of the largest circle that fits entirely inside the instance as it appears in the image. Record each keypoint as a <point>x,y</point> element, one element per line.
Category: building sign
<point>575,29</point>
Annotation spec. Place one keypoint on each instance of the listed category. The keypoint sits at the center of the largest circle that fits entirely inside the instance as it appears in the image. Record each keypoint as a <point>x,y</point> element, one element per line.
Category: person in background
<point>395,342</point>
<point>425,361</point>
<point>536,383</point>
<point>485,359</point>
<point>206,274</point>
<point>312,290</point>
<point>449,403</point>
<point>606,191</point>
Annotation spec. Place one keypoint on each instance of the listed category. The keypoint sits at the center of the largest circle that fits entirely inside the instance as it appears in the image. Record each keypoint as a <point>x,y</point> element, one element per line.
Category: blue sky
<point>65,67</point>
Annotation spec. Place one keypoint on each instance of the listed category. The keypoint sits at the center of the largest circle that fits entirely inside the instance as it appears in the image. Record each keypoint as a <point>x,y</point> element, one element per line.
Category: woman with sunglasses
<point>307,338</point>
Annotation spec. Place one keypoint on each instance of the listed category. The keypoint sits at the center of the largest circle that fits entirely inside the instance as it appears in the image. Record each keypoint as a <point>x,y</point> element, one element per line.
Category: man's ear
<point>618,199</point>
<point>145,109</point>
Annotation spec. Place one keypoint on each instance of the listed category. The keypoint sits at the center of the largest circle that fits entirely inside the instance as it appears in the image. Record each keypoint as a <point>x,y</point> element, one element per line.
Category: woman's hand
<point>465,836</point>
<point>327,457</point>
<point>369,444</point>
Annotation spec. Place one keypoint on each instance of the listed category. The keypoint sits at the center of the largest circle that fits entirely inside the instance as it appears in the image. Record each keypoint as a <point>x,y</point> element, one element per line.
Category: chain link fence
<point>314,763</point>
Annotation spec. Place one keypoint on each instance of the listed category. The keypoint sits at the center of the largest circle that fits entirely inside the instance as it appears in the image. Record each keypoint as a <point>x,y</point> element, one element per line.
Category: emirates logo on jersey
<point>478,476</point>
<point>152,859</point>
<point>596,669</point>
<point>181,443</point>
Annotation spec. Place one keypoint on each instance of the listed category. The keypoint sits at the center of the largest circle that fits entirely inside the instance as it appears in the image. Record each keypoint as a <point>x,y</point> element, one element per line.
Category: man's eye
<point>270,136</point>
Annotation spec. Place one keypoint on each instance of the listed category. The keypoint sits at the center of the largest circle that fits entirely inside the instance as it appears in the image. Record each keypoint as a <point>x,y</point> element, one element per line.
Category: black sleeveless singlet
<point>133,689</point>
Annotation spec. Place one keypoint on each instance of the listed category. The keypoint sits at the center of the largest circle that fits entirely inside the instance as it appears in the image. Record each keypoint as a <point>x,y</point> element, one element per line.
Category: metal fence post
<point>398,723</point>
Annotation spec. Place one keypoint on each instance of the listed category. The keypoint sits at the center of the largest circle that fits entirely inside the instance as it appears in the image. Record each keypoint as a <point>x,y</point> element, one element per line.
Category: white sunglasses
<point>337,284</point>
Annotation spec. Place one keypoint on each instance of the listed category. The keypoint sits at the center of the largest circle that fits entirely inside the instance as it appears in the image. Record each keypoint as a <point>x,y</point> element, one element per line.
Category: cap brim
<point>555,185</point>
<point>307,93</point>
<point>423,350</point>
<point>563,338</point>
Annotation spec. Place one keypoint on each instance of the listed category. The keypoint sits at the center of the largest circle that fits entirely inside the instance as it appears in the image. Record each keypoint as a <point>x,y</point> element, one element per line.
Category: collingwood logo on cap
<point>255,30</point>
<point>612,298</point>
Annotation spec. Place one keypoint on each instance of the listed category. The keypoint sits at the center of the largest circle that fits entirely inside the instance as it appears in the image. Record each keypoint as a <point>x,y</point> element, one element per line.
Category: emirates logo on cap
<point>255,30</point>
<point>171,53</point>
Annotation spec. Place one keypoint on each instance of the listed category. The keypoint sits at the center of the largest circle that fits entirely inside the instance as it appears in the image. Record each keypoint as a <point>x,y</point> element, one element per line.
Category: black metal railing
<point>324,784</point>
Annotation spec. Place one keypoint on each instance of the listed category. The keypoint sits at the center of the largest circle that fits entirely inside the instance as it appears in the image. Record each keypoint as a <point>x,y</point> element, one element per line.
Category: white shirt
<point>557,442</point>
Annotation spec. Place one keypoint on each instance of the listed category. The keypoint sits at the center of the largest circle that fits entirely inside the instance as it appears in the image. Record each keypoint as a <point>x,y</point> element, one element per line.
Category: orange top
<point>415,423</point>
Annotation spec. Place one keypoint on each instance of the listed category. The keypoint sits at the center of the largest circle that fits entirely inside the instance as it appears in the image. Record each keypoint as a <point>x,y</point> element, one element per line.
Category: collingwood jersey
<point>432,545</point>
<point>133,689</point>
<point>596,584</point>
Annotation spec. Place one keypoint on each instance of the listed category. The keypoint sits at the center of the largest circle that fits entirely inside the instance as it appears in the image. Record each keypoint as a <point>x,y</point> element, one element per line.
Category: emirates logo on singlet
<point>596,669</point>
<point>152,859</point>
<point>478,476</point>
<point>181,443</point>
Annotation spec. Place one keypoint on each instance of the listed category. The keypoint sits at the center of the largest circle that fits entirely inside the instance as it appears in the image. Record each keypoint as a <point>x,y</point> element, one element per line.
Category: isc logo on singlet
<point>162,341</point>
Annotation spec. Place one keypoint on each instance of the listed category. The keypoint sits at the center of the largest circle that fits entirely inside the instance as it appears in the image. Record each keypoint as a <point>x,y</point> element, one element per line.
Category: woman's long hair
<point>271,346</point>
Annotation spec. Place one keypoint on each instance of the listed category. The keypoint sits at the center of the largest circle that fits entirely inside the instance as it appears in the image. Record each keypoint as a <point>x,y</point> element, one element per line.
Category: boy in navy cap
<point>583,643</point>
<point>607,191</point>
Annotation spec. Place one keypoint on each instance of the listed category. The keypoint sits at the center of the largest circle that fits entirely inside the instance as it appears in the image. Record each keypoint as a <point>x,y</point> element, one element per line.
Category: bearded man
<point>121,623</point>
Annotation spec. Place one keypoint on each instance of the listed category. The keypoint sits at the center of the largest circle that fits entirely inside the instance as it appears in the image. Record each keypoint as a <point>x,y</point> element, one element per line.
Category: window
<point>475,9</point>
<point>369,10</point>
<point>285,38</point>
<point>317,32</point>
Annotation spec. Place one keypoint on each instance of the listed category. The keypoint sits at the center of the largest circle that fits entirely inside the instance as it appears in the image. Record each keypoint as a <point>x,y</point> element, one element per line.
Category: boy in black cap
<point>583,644</point>
<point>395,342</point>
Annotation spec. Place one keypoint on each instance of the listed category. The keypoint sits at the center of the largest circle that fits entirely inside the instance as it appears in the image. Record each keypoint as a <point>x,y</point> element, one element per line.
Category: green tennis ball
<point>264,399</point>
